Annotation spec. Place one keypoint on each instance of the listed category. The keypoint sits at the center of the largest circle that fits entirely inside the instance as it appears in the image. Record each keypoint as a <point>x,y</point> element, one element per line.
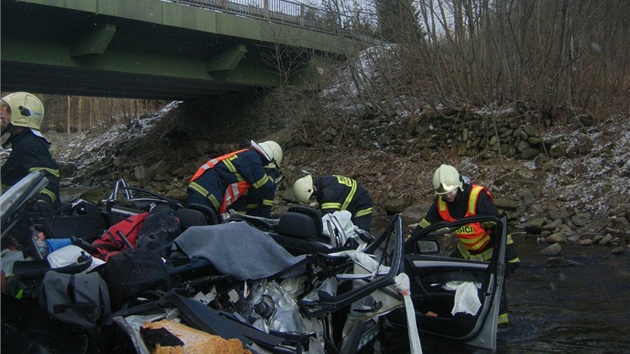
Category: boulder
<point>397,205</point>
<point>585,242</point>
<point>552,250</point>
<point>534,226</point>
<point>414,213</point>
<point>556,238</point>
<point>581,219</point>
<point>504,203</point>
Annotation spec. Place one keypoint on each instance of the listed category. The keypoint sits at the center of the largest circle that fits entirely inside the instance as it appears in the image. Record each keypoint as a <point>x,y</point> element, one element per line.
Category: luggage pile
<point>149,275</point>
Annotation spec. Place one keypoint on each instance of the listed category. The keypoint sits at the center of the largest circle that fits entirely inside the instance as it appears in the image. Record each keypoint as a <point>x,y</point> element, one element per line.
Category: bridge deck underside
<point>75,52</point>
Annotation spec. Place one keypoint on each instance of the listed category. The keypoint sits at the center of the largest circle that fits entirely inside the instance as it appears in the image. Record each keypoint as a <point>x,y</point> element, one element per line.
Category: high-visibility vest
<point>472,237</point>
<point>234,190</point>
<point>210,164</point>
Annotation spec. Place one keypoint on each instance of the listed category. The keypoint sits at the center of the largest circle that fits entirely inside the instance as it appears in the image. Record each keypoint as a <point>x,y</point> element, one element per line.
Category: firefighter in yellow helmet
<point>22,115</point>
<point>456,199</point>
<point>335,193</point>
<point>242,180</point>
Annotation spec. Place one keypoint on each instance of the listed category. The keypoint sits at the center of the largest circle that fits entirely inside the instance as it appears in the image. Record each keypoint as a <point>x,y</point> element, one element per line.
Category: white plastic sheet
<point>466,297</point>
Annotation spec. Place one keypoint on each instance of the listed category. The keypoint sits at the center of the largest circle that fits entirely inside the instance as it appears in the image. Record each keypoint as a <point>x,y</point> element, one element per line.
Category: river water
<point>583,308</point>
<point>577,302</point>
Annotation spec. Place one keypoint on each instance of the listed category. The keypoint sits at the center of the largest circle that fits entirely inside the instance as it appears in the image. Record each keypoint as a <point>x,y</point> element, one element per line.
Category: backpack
<point>130,272</point>
<point>111,242</point>
<point>159,229</point>
<point>76,299</point>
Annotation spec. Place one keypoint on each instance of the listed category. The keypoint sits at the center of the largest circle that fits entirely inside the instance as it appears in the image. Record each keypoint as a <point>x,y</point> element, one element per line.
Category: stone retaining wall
<point>468,134</point>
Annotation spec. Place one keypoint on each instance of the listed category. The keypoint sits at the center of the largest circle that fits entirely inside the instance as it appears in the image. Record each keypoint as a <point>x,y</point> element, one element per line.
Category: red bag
<point>113,242</point>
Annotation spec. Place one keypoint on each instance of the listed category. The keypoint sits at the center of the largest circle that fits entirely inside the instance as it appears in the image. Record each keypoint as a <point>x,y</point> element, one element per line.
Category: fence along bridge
<point>276,11</point>
<point>180,49</point>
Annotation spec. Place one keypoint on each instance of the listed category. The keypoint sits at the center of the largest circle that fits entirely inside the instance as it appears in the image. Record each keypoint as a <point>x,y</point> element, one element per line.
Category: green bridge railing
<point>277,11</point>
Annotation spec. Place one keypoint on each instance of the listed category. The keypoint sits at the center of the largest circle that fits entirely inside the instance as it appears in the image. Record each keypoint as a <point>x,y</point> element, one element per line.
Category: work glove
<point>44,209</point>
<point>488,224</point>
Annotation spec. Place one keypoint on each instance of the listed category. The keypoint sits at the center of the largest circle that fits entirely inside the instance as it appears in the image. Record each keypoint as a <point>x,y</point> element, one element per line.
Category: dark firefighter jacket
<point>335,193</point>
<point>477,245</point>
<point>30,153</point>
<point>224,180</point>
<point>253,202</point>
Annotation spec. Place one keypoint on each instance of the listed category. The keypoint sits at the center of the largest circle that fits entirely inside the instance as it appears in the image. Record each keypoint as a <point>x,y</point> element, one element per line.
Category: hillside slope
<point>584,184</point>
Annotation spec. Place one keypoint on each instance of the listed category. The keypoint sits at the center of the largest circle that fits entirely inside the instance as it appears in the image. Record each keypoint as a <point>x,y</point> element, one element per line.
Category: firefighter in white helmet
<point>242,180</point>
<point>335,193</point>
<point>22,115</point>
<point>456,198</point>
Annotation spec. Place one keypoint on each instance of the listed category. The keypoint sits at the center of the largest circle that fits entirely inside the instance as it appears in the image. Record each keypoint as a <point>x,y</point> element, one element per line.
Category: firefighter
<point>335,193</point>
<point>224,182</point>
<point>457,198</point>
<point>252,203</point>
<point>22,115</point>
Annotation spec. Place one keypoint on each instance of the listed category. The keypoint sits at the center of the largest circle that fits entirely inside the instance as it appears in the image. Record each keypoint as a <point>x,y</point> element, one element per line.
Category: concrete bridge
<point>157,49</point>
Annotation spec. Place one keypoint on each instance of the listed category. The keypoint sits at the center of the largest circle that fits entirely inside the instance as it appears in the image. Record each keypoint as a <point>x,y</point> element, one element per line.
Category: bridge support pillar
<point>312,73</point>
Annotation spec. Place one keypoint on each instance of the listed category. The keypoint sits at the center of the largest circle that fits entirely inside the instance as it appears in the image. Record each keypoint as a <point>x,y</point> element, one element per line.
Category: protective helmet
<point>446,179</point>
<point>271,151</point>
<point>303,189</point>
<point>26,109</point>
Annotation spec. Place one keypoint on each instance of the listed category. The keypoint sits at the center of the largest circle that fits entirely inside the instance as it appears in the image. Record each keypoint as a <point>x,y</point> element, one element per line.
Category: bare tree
<point>553,54</point>
<point>80,114</point>
<point>68,115</point>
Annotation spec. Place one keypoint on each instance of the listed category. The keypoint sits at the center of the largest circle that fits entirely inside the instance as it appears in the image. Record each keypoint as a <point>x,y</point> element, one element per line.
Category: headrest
<point>297,225</point>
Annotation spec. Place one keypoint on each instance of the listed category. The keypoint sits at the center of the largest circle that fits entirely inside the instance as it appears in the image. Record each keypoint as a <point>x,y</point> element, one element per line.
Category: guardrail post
<point>266,10</point>
<point>224,5</point>
<point>302,15</point>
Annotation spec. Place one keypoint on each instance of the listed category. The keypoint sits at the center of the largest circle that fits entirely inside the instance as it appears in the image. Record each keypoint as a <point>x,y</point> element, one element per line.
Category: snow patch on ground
<point>595,173</point>
<point>89,148</point>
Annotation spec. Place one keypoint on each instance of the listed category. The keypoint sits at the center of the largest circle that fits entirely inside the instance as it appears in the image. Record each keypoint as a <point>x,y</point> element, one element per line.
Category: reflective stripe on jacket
<point>343,193</point>
<point>473,237</point>
<point>226,179</point>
